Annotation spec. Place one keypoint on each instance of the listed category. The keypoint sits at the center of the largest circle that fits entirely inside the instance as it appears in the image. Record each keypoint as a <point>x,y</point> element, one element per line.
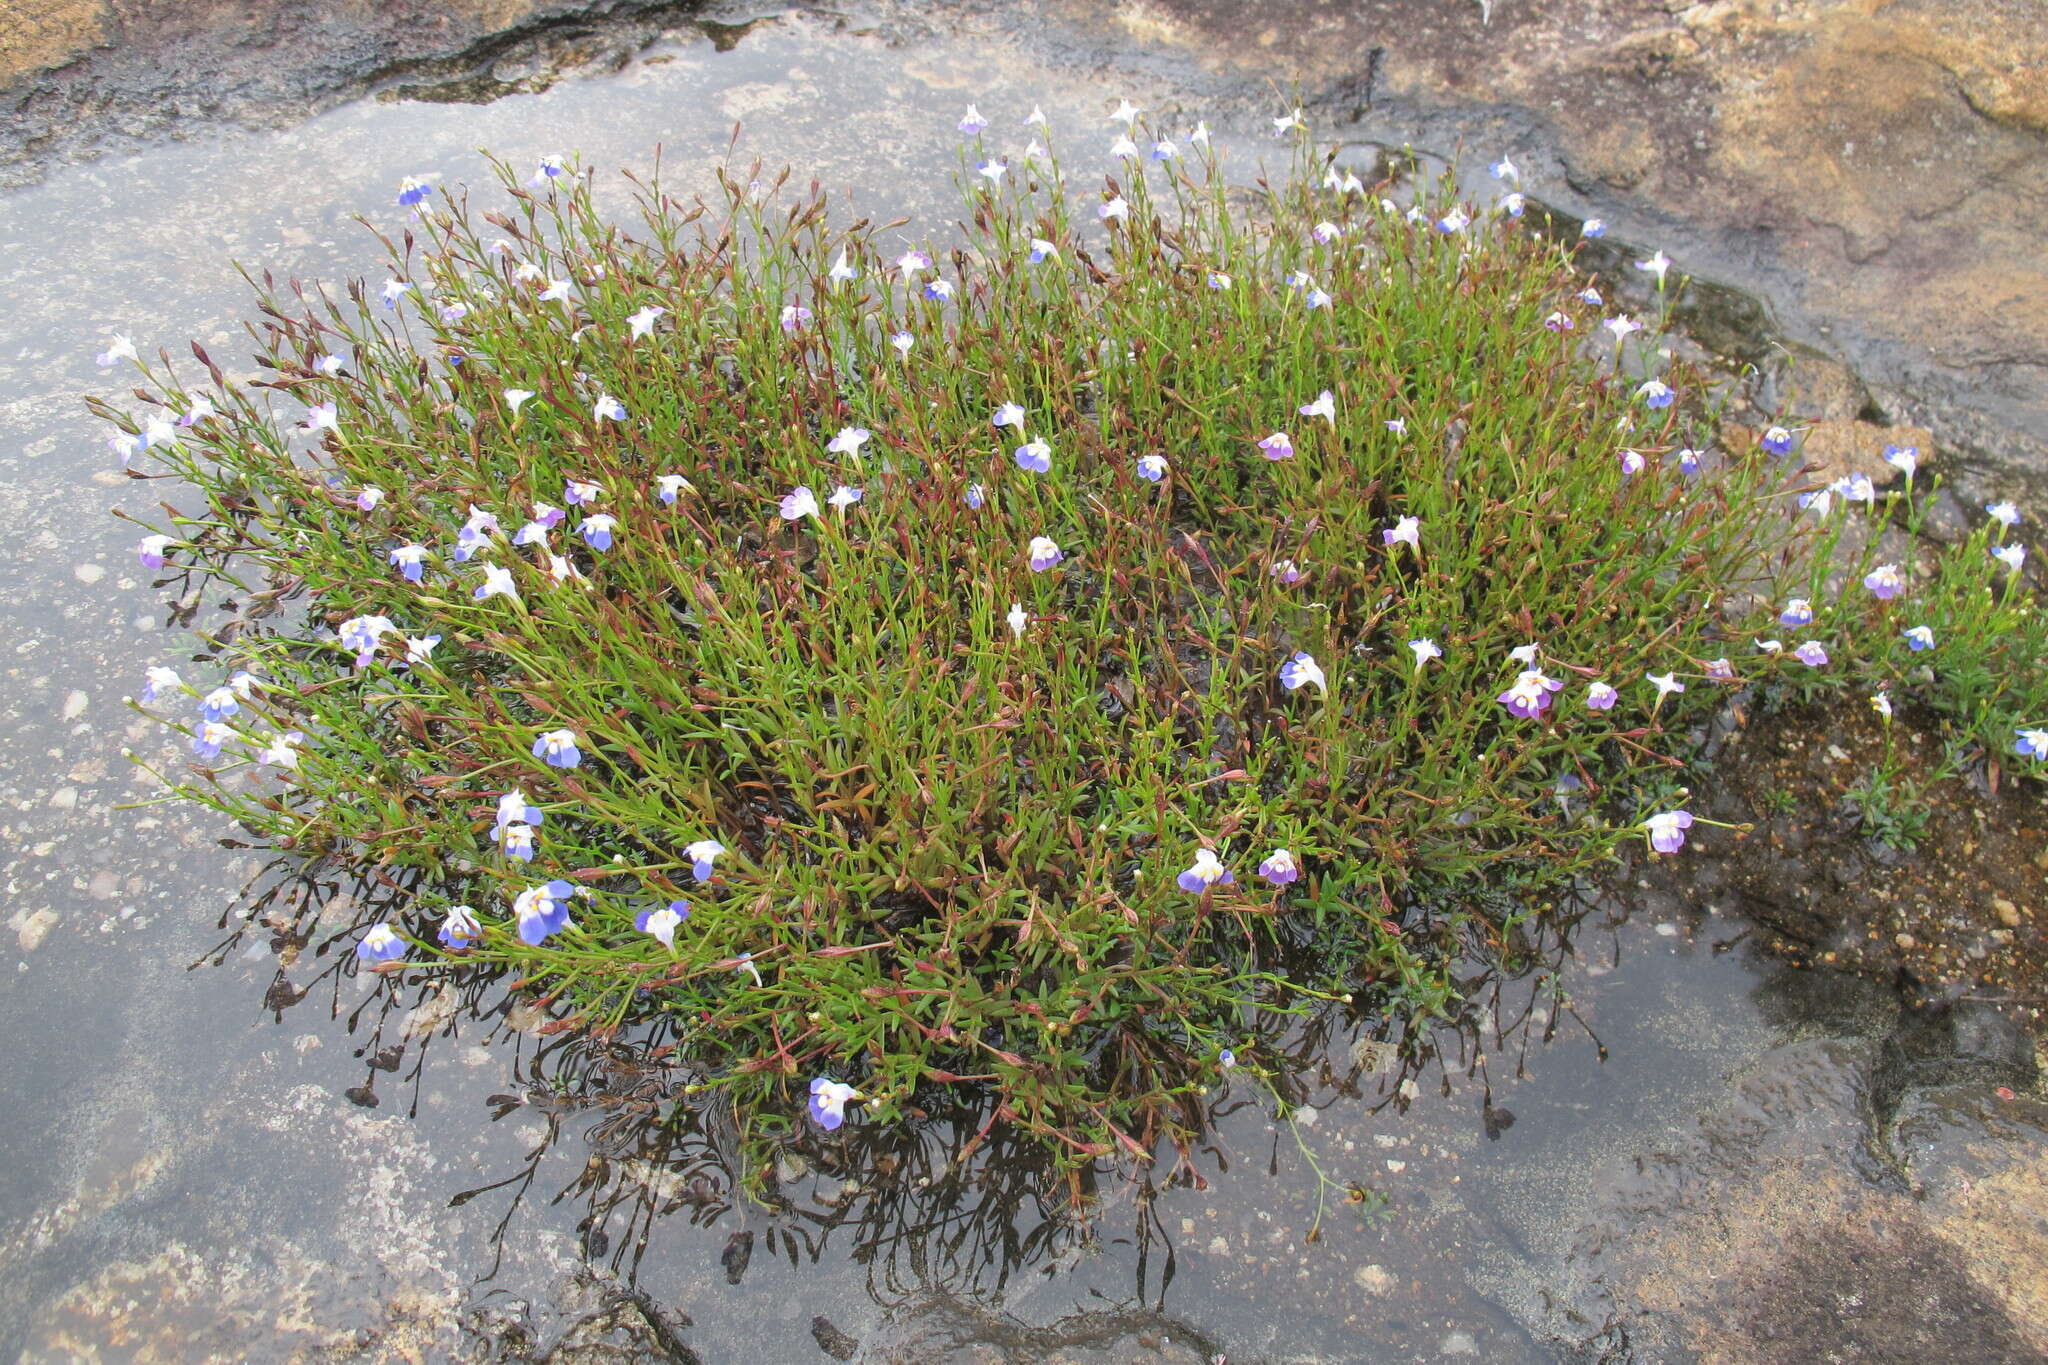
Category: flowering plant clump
<point>882,659</point>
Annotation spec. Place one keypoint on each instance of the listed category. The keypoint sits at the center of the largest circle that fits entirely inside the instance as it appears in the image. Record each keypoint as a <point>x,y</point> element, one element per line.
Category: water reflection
<point>612,1143</point>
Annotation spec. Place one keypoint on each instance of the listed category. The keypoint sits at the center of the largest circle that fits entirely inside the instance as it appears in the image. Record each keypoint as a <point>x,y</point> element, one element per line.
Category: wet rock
<point>1843,447</point>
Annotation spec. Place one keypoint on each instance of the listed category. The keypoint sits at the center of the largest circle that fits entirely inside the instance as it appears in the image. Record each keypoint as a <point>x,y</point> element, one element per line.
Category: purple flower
<point>1425,650</point>
<point>1593,227</point>
<point>1226,1059</point>
<point>157,678</point>
<point>1632,462</point>
<point>829,1099</point>
<point>1205,873</point>
<point>975,496</point>
<point>1042,250</point>
<point>1035,456</point>
<point>669,486</point>
<point>575,492</point>
<point>459,929</point>
<point>151,550</point>
<point>380,943</point>
<point>1656,393</point>
<point>1777,441</point>
<point>1152,468</point>
<point>597,531</point>
<point>1884,582</point>
<point>1324,407</point>
<point>702,854</point>
<point>973,122</point>
<point>412,191</point>
<point>1300,671</point>
<point>1812,654</point>
<point>1044,553</point>
<point>1287,572</point>
<point>1600,697</point>
<point>664,922</point>
<point>1407,531</point>
<point>542,911</point>
<point>1279,867</point>
<point>794,317</point>
<point>557,749</point>
<point>1590,297</point>
<point>843,498</point>
<point>1559,322</point>
<point>938,290</point>
<point>1529,696</point>
<point>411,561</point>
<point>1667,831</point>
<point>910,262</point>
<point>1720,670</point>
<point>1008,415</point>
<point>2032,744</point>
<point>1919,638</point>
<point>609,407</point>
<point>1798,612</point>
<point>798,503</point>
<point>1277,446</point>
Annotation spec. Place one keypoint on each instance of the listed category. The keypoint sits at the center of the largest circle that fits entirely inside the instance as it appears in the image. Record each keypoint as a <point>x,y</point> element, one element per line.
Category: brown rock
<point>1842,448</point>
<point>36,35</point>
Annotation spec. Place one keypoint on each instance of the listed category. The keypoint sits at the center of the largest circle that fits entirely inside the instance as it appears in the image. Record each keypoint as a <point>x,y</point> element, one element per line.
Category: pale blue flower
<point>597,531</point>
<point>557,749</point>
<point>1279,867</point>
<point>798,503</point>
<point>208,737</point>
<point>1278,446</point>
<point>219,704</point>
<point>1034,456</point>
<point>542,911</point>
<point>1919,638</point>
<point>411,561</point>
<point>380,943</point>
<point>848,441</point>
<point>2032,744</point>
<point>158,679</point>
<point>702,854</point>
<point>1777,440</point>
<point>829,1099</point>
<point>975,496</point>
<point>1207,871</point>
<point>1797,612</point>
<point>1813,654</point>
<point>1043,553</point>
<point>1666,832</point>
<point>1152,468</point>
<point>1302,670</point>
<point>664,922</point>
<point>1008,415</point>
<point>412,190</point>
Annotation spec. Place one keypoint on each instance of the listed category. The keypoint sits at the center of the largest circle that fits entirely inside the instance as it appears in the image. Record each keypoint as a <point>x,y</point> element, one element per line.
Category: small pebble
<point>1906,941</point>
<point>2008,913</point>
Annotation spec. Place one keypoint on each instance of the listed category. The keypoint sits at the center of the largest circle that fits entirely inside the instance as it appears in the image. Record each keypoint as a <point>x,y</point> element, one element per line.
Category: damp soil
<point>1939,890</point>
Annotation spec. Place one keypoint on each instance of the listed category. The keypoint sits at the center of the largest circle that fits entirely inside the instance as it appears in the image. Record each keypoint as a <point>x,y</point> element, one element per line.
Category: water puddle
<point>226,1145</point>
